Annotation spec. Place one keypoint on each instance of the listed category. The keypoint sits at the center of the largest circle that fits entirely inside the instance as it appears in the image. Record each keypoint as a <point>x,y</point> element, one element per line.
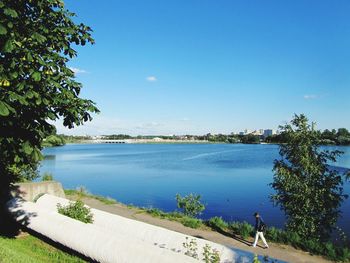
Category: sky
<point>198,66</point>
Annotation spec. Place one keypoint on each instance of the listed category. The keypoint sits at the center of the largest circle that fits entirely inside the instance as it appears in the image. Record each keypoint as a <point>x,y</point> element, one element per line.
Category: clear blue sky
<point>199,66</point>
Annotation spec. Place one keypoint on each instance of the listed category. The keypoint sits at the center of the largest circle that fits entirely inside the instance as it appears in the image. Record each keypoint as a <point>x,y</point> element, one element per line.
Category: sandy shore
<point>282,252</point>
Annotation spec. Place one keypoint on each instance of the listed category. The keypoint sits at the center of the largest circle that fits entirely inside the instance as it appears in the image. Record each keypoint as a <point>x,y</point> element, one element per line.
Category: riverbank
<point>278,251</point>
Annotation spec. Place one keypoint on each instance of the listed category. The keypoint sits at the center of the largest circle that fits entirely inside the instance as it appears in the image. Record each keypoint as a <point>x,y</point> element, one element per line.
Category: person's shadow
<point>231,235</point>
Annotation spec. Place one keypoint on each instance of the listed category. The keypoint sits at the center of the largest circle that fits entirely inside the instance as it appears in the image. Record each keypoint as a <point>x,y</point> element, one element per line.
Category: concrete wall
<point>30,191</point>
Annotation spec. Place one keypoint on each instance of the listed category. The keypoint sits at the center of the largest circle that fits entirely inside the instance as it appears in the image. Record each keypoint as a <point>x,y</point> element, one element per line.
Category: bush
<point>217,223</point>
<point>190,204</point>
<point>47,177</point>
<point>274,234</point>
<point>243,229</point>
<point>76,210</point>
<point>191,222</point>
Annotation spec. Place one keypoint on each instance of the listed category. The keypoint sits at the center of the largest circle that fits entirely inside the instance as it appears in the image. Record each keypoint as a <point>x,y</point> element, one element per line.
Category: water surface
<point>233,179</point>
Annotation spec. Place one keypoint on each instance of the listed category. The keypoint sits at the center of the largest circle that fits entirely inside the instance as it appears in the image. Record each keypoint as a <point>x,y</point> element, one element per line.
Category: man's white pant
<point>261,235</point>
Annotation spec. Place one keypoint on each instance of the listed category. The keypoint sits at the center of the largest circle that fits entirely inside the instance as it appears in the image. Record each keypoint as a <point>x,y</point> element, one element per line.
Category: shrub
<point>47,177</point>
<point>156,212</point>
<point>243,229</point>
<point>344,254</point>
<point>274,234</point>
<point>190,204</point>
<point>291,238</point>
<point>330,251</point>
<point>217,223</point>
<point>191,222</point>
<point>76,210</point>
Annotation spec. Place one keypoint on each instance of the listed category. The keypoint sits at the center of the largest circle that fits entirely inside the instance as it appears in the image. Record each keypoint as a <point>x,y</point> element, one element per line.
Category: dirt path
<point>282,252</point>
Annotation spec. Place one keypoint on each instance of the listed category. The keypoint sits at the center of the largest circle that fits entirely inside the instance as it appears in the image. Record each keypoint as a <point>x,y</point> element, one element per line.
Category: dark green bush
<point>217,223</point>
<point>191,222</point>
<point>76,210</point>
<point>243,229</point>
<point>274,234</point>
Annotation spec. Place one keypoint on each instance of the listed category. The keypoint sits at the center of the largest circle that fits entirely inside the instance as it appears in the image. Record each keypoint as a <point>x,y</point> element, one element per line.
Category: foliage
<point>53,140</point>
<point>243,229</point>
<point>210,255</point>
<point>190,204</point>
<point>307,189</point>
<point>191,248</point>
<point>191,222</point>
<point>30,249</point>
<point>255,259</point>
<point>250,139</point>
<point>176,216</point>
<point>217,223</point>
<point>332,251</point>
<point>36,84</point>
<point>47,177</point>
<point>76,210</point>
<point>327,137</point>
<point>81,192</point>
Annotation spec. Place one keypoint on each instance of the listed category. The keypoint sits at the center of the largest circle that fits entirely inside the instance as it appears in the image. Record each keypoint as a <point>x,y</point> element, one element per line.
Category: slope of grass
<point>84,193</point>
<point>29,249</point>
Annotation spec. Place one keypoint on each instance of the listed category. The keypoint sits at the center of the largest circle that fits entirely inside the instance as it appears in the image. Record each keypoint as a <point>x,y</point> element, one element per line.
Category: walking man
<point>259,228</point>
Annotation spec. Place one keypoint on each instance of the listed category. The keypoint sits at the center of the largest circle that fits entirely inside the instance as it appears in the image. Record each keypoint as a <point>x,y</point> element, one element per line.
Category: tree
<point>307,189</point>
<point>36,85</point>
<point>191,204</point>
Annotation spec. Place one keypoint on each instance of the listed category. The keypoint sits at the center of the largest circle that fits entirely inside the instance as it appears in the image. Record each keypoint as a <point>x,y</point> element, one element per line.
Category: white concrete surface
<point>142,242</point>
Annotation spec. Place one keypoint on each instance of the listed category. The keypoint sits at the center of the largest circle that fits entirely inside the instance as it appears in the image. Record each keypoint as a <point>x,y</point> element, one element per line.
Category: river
<point>233,179</point>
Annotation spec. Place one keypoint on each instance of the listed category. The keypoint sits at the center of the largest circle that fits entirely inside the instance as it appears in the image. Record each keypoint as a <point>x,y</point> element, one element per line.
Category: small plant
<point>217,223</point>
<point>255,259</point>
<point>190,204</point>
<point>47,177</point>
<point>191,248</point>
<point>76,210</point>
<point>210,255</point>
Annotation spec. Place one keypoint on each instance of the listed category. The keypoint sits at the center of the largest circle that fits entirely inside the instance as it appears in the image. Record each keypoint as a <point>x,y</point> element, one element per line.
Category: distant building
<point>269,132</point>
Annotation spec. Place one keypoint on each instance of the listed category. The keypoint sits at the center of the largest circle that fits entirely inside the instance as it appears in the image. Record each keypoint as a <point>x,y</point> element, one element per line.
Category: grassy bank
<point>29,249</point>
<point>83,193</point>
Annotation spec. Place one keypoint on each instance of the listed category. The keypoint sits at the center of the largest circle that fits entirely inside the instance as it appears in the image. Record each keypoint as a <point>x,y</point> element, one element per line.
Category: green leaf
<point>29,57</point>
<point>8,46</point>
<point>30,94</point>
<point>3,30</point>
<point>38,101</point>
<point>51,116</point>
<point>4,111</point>
<point>10,12</point>
<point>36,76</point>
<point>38,37</point>
<point>27,148</point>
<point>14,75</point>
<point>36,155</point>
